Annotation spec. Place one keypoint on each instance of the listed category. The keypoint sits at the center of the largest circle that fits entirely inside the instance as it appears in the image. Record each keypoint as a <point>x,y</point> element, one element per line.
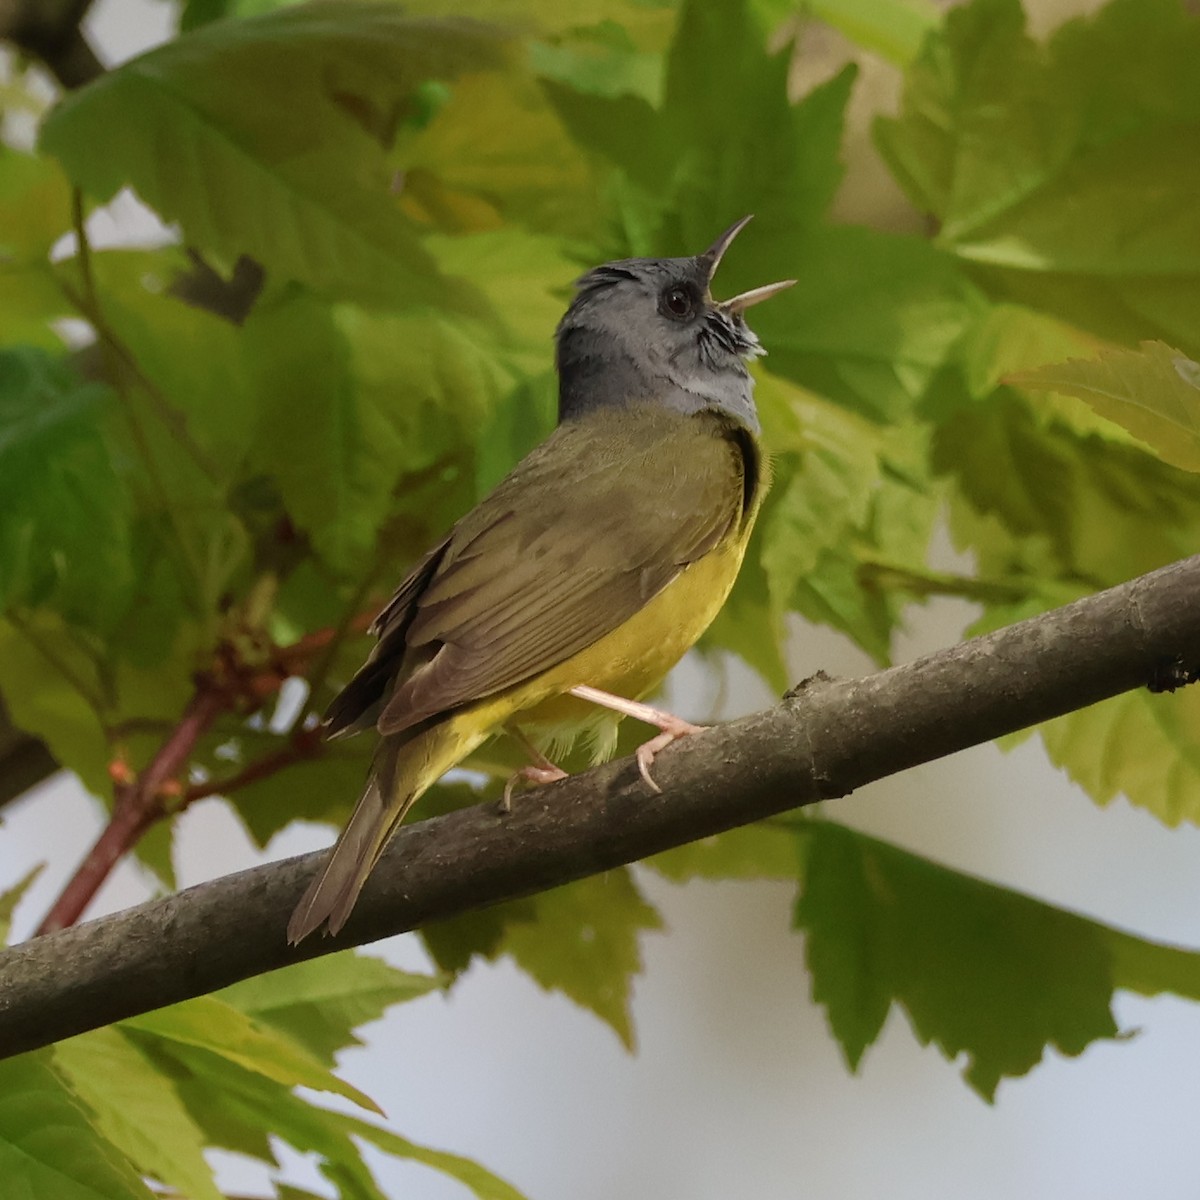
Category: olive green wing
<point>583,533</point>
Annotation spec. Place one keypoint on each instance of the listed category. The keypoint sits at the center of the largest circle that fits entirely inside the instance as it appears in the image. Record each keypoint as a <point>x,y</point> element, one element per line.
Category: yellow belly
<point>630,661</point>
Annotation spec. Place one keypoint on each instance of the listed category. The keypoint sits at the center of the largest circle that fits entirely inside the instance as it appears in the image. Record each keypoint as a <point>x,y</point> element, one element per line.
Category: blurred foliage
<point>418,186</point>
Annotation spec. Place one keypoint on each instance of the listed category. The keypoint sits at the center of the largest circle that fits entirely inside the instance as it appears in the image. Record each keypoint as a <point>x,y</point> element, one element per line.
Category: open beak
<point>713,255</point>
<point>757,295</point>
<point>712,259</point>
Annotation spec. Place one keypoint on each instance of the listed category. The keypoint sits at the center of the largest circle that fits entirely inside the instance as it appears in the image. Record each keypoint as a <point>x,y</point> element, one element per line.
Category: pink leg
<point>541,770</point>
<point>672,727</point>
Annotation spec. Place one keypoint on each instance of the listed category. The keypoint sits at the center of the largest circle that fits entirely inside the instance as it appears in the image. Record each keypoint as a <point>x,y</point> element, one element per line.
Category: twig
<point>294,659</point>
<point>825,739</point>
<point>157,792</point>
<point>301,746</point>
<point>136,807</point>
<point>893,577</point>
<point>89,307</point>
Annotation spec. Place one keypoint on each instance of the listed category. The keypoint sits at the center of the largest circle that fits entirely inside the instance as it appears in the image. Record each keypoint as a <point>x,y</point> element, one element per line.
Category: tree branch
<point>825,739</point>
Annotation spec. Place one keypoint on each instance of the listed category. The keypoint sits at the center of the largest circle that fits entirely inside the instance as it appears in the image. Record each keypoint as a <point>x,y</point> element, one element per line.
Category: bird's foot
<point>535,775</point>
<point>539,772</point>
<point>672,727</point>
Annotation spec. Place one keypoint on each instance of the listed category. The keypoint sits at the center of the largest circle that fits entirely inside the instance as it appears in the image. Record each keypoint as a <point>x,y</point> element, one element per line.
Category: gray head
<point>648,329</point>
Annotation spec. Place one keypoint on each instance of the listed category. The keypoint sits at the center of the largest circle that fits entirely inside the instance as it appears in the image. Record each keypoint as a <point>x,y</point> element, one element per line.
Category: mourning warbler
<point>573,588</point>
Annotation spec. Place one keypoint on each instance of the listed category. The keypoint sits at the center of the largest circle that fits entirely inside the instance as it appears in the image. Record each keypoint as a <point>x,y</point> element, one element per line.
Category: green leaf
<point>470,1174</point>
<point>11,897</point>
<point>35,206</point>
<point>174,440</point>
<point>321,789</point>
<point>761,154</point>
<point>1142,745</point>
<point>64,514</point>
<point>1104,511</point>
<point>762,851</point>
<point>980,970</point>
<point>454,375</point>
<point>893,29</point>
<point>583,941</point>
<point>328,376</point>
<point>603,58</point>
<point>332,484</point>
<point>872,320</point>
<point>1152,969</point>
<point>240,1108</point>
<point>1010,339</point>
<point>548,16</point>
<point>495,153</point>
<point>266,137</point>
<point>136,1107</point>
<point>319,1003</point>
<point>31,298</point>
<point>218,1028</point>
<point>35,209</point>
<point>845,944</point>
<point>43,698</point>
<point>835,595</point>
<point>196,360</point>
<point>844,492</point>
<point>907,507</point>
<point>1064,172</point>
<point>48,1148</point>
<point>825,477</point>
<point>700,161</point>
<point>1153,392</point>
<point>199,12</point>
<point>454,942</point>
<point>525,277</point>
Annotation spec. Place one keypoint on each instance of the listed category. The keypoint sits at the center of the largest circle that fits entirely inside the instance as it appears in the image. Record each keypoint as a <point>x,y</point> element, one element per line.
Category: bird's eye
<point>678,302</point>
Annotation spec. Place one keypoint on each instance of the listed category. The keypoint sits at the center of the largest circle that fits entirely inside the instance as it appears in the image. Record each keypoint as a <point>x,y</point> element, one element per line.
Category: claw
<point>673,728</point>
<point>540,771</point>
<point>535,775</point>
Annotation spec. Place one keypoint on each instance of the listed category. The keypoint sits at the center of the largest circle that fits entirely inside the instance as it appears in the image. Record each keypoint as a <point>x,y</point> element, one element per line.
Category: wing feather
<point>574,542</point>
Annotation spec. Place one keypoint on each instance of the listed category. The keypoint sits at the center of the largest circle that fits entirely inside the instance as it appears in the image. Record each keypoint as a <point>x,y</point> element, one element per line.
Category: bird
<point>567,594</point>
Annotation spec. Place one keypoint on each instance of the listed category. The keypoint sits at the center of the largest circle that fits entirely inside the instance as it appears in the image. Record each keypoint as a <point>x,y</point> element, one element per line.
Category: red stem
<point>149,798</point>
<point>126,825</point>
<point>137,807</point>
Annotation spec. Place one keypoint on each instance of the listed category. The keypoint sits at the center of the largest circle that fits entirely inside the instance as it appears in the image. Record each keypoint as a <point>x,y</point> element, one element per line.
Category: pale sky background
<point>737,1089</point>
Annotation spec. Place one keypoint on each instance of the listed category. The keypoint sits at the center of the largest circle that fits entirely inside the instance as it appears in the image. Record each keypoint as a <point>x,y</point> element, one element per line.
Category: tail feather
<point>332,895</point>
<point>404,767</point>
